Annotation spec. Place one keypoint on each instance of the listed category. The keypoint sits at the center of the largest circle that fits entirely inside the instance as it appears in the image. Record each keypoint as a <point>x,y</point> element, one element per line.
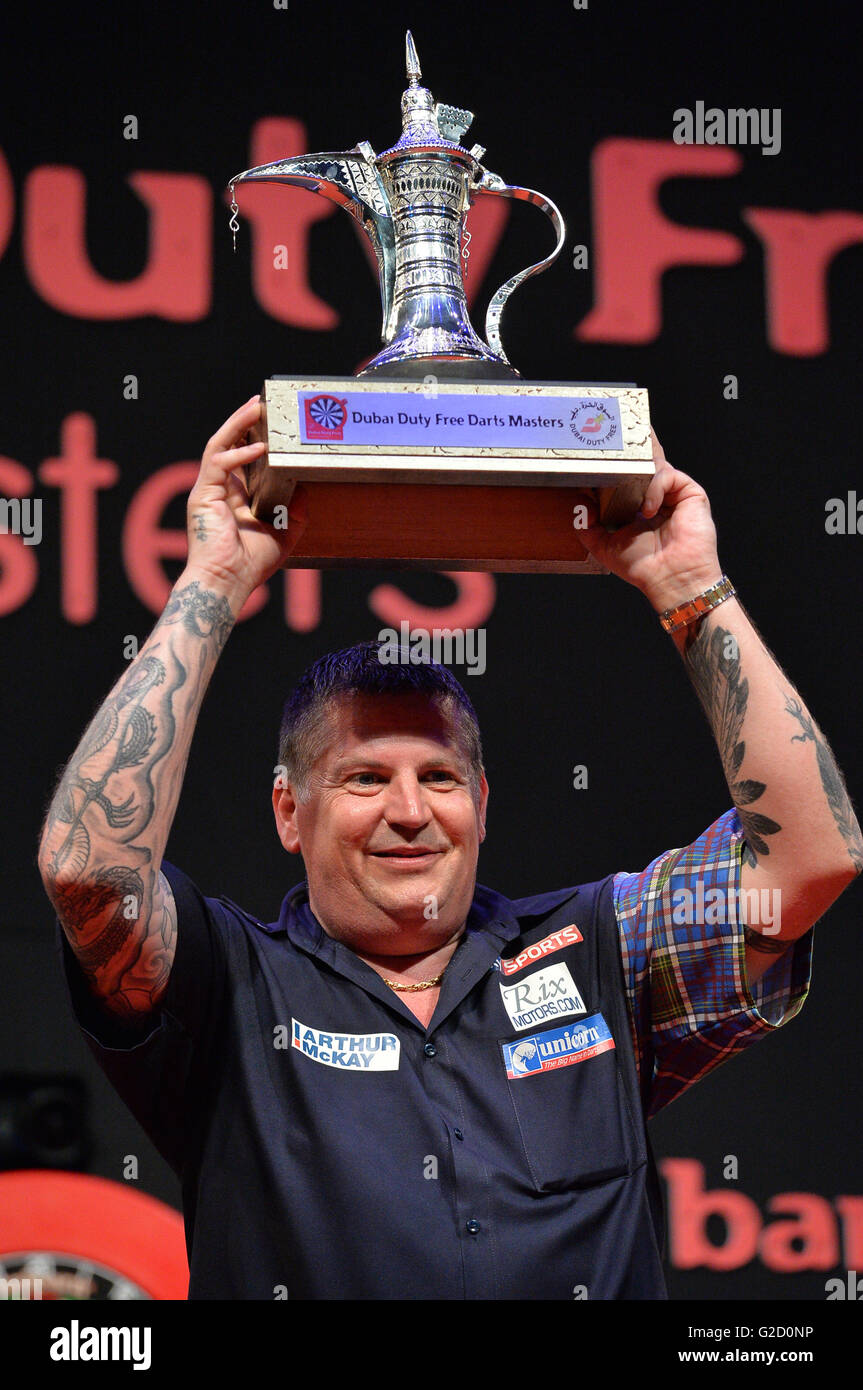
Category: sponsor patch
<point>567,936</point>
<point>356,1051</point>
<point>547,993</point>
<point>557,1047</point>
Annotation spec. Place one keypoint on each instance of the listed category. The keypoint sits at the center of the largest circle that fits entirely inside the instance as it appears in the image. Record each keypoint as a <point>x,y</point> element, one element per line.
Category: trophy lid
<point>427,124</point>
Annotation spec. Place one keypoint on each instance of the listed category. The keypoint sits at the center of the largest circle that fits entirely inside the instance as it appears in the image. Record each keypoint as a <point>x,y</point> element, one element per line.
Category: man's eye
<point>367,779</point>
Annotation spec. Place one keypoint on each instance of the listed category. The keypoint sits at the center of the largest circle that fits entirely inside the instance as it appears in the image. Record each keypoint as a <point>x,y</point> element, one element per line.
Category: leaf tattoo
<point>714,666</point>
<point>831,781</point>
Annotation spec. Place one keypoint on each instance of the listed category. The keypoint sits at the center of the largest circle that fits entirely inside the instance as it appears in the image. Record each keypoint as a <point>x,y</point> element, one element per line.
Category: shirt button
<point>473,1226</point>
<point>458,1134</point>
<point>430,1050</point>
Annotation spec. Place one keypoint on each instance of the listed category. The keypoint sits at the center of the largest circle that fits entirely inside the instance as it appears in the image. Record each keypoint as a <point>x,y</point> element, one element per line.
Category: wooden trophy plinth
<point>469,505</point>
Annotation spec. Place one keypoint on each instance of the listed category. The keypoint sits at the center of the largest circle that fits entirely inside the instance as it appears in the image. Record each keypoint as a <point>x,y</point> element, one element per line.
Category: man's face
<point>390,833</point>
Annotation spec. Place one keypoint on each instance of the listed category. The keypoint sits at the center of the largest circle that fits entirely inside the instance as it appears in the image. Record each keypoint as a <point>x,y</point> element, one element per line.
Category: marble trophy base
<point>427,506</point>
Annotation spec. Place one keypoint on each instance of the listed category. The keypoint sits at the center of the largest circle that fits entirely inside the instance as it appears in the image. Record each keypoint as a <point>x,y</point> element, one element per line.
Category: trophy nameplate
<point>438,454</point>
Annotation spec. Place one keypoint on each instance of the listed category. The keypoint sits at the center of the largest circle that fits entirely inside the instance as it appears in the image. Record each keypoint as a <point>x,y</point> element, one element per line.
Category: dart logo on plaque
<point>325,417</point>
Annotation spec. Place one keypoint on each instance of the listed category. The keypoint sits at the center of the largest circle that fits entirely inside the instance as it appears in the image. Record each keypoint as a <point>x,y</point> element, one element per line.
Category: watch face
<point>72,1236</point>
<point>45,1275</point>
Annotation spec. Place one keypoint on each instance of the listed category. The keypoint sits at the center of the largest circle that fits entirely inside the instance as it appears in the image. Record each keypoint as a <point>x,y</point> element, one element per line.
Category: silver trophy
<point>437,454</point>
<point>412,202</point>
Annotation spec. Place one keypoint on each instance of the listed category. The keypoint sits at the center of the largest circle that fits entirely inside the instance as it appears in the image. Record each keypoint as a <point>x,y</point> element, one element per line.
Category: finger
<point>236,426</point>
<point>237,493</point>
<point>217,468</point>
<point>592,534</point>
<point>658,489</point>
<point>670,486</point>
<point>658,451</point>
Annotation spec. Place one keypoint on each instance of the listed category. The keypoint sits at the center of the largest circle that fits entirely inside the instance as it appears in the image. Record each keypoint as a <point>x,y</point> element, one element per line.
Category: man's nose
<point>407,802</point>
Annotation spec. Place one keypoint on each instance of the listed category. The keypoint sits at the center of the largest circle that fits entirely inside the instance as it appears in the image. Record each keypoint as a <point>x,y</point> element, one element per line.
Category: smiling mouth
<point>405,854</point>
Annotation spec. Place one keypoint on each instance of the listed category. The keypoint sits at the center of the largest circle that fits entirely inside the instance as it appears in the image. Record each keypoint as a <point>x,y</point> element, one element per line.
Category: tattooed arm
<point>108,822</point>
<point>803,843</point>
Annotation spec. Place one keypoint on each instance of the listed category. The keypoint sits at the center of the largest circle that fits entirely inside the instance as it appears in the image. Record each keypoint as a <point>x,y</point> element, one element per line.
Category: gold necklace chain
<point>422,984</point>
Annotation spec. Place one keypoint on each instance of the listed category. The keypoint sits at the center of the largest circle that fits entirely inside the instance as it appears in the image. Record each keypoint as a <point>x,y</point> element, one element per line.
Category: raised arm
<point>108,822</point>
<point>803,840</point>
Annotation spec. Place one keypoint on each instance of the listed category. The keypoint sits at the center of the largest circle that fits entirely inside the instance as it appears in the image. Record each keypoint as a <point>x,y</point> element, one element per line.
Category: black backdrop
<point>578,670</point>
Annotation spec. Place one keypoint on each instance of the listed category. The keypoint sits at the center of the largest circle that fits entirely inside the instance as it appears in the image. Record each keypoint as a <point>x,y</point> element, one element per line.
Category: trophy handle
<point>496,187</point>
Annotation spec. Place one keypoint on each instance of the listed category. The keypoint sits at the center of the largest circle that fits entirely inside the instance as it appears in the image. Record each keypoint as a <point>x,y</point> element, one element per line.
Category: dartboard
<point>74,1236</point>
<point>327,412</point>
<point>45,1275</point>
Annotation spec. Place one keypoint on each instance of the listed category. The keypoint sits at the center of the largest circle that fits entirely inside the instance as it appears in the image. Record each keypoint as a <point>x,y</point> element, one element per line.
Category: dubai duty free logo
<point>325,417</point>
<point>595,425</point>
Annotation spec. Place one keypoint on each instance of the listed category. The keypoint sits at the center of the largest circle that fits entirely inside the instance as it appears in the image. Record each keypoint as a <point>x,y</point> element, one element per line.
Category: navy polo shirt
<point>330,1146</point>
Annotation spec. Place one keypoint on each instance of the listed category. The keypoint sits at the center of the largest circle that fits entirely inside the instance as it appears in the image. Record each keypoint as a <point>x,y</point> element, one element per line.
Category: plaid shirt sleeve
<point>690,1004</point>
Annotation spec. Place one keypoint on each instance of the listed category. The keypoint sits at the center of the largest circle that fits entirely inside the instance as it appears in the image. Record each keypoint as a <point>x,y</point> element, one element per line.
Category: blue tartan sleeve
<point>684,964</point>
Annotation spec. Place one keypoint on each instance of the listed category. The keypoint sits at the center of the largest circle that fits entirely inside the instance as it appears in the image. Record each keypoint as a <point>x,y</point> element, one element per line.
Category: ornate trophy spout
<point>412,201</point>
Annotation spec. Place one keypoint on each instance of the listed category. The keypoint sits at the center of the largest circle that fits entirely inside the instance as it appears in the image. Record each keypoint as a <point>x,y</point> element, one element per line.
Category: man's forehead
<point>363,716</point>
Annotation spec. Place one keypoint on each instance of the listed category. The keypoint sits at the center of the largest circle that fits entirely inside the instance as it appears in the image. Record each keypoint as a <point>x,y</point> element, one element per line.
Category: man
<point>408,1086</point>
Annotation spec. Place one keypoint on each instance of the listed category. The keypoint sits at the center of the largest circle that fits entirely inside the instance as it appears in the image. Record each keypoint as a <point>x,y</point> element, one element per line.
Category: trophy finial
<point>426,124</point>
<point>412,62</point>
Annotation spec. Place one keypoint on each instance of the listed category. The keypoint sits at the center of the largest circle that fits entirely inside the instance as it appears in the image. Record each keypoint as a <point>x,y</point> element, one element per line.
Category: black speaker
<point>43,1122</point>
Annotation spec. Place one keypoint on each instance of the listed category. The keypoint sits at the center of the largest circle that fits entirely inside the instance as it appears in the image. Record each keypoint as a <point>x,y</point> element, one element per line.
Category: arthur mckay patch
<point>557,1047</point>
<point>547,993</point>
<point>567,936</point>
<point>355,1051</point>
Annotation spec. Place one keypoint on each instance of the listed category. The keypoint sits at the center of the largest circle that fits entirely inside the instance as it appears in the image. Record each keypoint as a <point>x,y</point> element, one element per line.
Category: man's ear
<point>483,804</point>
<point>285,812</point>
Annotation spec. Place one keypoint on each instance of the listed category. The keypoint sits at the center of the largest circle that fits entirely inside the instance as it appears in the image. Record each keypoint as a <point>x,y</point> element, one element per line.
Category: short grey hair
<point>306,725</point>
